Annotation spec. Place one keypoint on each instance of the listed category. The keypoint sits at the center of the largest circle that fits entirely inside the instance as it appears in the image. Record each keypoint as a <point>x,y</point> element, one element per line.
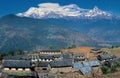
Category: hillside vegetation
<point>33,35</point>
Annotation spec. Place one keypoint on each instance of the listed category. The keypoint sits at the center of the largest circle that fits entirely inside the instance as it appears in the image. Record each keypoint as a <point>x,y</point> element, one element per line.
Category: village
<point>81,62</point>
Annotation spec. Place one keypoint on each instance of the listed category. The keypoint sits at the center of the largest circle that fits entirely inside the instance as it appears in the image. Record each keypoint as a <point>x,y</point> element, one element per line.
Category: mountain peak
<point>96,12</point>
<point>96,8</point>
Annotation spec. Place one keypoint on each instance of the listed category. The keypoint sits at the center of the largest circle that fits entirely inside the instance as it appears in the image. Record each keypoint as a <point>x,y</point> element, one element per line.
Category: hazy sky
<point>17,6</point>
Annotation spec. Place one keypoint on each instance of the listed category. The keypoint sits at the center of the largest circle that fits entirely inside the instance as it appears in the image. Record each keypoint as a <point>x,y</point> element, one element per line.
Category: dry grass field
<point>85,50</point>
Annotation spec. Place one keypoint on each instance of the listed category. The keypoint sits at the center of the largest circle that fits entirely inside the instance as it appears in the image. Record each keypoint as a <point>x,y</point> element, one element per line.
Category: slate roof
<point>106,57</point>
<point>66,56</point>
<point>50,51</point>
<point>85,67</point>
<point>61,63</point>
<point>18,57</point>
<point>91,63</point>
<point>43,64</point>
<point>58,56</point>
<point>79,59</point>
<point>77,65</point>
<point>56,63</point>
<point>50,56</point>
<point>45,57</point>
<point>85,70</point>
<point>96,49</point>
<point>95,63</point>
<point>17,63</point>
<point>96,52</point>
<point>34,57</point>
<point>79,55</point>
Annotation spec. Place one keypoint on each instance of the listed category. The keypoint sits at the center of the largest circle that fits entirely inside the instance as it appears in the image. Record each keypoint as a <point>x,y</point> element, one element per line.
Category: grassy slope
<point>116,51</point>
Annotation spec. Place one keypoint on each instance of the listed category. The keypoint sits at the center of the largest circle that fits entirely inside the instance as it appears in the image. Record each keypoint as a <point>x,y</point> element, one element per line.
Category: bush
<point>105,69</point>
<point>72,46</point>
<point>51,47</point>
<point>116,66</point>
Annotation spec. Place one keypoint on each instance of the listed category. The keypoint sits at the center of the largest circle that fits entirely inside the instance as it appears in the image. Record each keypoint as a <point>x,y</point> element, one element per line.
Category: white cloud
<point>51,5</point>
<point>46,8</point>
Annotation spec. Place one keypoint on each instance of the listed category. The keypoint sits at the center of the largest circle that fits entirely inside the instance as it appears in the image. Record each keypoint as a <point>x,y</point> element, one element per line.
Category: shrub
<point>105,69</point>
<point>116,66</point>
<point>71,46</point>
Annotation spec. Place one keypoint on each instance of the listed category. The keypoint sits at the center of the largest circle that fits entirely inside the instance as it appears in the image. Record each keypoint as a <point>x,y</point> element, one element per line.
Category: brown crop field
<point>85,50</point>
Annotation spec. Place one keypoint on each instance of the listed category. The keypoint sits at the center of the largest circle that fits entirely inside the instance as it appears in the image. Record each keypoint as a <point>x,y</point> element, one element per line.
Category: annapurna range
<point>60,26</point>
<point>54,10</point>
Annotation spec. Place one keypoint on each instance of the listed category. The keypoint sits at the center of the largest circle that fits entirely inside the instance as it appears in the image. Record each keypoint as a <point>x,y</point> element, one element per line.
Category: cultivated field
<point>116,51</point>
<point>85,50</point>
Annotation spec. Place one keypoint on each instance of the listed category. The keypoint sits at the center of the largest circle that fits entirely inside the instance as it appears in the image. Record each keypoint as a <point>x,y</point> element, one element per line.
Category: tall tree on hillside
<point>51,47</point>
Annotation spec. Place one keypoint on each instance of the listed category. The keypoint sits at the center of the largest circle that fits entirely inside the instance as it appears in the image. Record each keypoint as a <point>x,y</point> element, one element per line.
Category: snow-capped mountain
<point>96,12</point>
<point>54,10</point>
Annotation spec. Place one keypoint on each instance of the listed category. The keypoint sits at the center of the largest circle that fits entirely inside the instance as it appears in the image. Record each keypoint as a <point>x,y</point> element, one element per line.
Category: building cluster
<point>52,61</point>
<point>106,57</point>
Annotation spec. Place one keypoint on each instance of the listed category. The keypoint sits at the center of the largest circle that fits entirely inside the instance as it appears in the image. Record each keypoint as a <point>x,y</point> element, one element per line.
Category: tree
<point>1,57</point>
<point>19,52</point>
<point>116,66</point>
<point>105,69</point>
<point>112,47</point>
<point>51,47</point>
<point>71,46</point>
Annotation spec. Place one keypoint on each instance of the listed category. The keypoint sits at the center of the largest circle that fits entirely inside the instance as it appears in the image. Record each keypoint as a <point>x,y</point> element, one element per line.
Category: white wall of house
<point>6,69</point>
<point>27,69</point>
<point>20,69</point>
<point>13,68</point>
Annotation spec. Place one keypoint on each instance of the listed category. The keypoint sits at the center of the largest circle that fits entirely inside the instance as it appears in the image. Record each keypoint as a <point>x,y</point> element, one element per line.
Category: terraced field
<point>116,51</point>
